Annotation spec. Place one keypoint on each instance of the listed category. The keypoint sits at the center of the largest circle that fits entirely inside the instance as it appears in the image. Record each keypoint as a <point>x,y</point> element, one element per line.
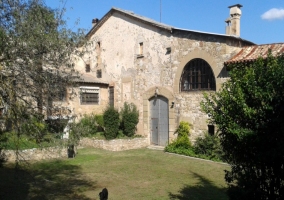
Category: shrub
<point>209,146</point>
<point>100,122</point>
<point>56,125</point>
<point>111,122</point>
<point>183,132</point>
<point>89,124</point>
<point>129,119</point>
<point>181,144</point>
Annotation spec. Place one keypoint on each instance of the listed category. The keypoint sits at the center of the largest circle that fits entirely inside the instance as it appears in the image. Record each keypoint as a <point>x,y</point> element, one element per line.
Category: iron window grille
<point>197,75</point>
<point>90,95</point>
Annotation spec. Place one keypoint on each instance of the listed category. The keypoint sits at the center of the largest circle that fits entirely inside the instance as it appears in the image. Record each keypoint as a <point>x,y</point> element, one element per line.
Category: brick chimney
<point>233,22</point>
<point>95,21</point>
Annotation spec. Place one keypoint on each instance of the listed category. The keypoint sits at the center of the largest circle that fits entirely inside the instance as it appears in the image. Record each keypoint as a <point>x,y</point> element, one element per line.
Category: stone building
<point>162,69</point>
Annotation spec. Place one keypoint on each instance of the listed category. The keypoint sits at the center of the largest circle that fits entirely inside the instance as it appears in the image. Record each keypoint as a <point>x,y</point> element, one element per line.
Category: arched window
<point>197,75</point>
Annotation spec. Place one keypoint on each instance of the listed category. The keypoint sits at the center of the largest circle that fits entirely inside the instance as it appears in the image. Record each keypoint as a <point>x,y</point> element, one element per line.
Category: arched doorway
<point>159,120</point>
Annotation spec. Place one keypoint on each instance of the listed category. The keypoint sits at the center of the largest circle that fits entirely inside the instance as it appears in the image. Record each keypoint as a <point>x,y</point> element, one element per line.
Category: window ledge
<point>139,56</point>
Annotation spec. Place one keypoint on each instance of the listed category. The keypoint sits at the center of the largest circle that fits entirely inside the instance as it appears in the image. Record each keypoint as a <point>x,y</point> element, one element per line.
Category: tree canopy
<point>36,59</point>
<point>249,114</point>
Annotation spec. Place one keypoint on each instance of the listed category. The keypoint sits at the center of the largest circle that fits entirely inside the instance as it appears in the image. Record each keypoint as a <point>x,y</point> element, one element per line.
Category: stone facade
<point>139,57</point>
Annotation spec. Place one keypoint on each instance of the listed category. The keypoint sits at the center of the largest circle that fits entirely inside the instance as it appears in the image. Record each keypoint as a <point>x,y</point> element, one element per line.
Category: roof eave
<point>112,10</point>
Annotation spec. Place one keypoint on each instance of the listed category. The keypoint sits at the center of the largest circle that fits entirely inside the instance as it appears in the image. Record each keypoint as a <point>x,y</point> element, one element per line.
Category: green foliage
<point>249,113</point>
<point>100,122</point>
<point>187,151</point>
<point>111,122</point>
<point>88,122</point>
<point>36,62</point>
<point>35,129</point>
<point>120,135</point>
<point>183,132</point>
<point>129,119</point>
<point>56,125</point>
<point>209,146</point>
<point>86,127</point>
<point>181,144</point>
<point>15,142</point>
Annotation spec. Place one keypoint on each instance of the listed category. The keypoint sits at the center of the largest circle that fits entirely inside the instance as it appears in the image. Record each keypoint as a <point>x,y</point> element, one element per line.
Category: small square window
<point>141,48</point>
<point>211,130</point>
<point>99,73</point>
<point>88,68</point>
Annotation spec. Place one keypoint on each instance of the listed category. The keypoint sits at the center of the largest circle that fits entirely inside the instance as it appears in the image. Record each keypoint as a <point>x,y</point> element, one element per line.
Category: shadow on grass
<point>203,190</point>
<point>46,180</point>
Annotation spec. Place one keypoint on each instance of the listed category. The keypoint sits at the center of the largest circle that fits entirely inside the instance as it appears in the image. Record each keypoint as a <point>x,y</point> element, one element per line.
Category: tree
<point>249,114</point>
<point>36,59</point>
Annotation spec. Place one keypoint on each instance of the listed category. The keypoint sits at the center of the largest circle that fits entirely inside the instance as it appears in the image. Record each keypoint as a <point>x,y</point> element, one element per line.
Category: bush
<point>100,122</point>
<point>183,132</point>
<point>129,119</point>
<point>56,125</point>
<point>111,122</point>
<point>89,124</point>
<point>181,145</point>
<point>209,146</point>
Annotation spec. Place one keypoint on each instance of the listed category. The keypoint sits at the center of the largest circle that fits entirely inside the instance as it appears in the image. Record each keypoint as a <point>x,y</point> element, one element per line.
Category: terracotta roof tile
<point>251,53</point>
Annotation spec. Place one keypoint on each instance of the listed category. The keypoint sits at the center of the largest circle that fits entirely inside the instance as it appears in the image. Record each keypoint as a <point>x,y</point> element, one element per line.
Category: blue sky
<point>262,21</point>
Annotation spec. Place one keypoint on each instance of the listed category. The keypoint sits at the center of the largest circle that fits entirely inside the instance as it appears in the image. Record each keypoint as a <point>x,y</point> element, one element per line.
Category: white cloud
<point>273,14</point>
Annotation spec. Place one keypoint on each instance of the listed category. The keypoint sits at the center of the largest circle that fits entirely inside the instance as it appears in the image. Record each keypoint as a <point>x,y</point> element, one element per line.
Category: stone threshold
<point>156,147</point>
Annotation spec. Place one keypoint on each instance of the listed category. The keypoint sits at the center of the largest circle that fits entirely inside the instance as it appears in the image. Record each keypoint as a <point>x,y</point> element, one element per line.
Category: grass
<point>134,174</point>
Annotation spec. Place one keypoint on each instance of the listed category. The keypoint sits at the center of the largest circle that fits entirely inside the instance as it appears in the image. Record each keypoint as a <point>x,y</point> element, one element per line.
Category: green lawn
<point>134,174</point>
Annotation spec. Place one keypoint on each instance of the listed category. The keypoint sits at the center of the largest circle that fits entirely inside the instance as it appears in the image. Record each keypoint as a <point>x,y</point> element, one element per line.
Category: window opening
<point>197,75</point>
<point>141,48</point>
<point>99,73</point>
<point>211,130</point>
<point>88,68</point>
<point>111,96</point>
<point>89,95</point>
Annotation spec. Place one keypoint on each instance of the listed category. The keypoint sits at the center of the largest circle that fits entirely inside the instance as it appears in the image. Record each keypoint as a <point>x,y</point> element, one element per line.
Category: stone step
<point>156,147</point>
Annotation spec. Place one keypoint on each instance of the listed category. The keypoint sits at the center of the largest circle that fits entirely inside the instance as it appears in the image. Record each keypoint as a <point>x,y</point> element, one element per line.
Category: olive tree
<point>37,52</point>
<point>249,114</point>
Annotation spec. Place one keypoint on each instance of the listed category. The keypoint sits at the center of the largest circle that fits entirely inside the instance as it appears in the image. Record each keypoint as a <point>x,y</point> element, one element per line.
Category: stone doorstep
<point>156,147</point>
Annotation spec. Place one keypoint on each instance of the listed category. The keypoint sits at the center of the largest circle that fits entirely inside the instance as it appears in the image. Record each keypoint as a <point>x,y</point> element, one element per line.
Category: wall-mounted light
<point>156,92</point>
<point>173,103</point>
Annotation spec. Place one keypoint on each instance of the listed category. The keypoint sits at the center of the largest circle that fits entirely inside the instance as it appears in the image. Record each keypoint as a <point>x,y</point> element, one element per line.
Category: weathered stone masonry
<point>140,57</point>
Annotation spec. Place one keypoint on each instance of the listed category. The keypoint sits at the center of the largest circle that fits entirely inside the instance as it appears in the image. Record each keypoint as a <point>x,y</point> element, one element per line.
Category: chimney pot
<point>233,22</point>
<point>95,21</point>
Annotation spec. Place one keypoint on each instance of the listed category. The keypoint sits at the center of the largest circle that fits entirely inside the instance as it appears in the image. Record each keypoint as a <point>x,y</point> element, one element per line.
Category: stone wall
<point>61,152</point>
<point>115,145</point>
<point>36,154</point>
